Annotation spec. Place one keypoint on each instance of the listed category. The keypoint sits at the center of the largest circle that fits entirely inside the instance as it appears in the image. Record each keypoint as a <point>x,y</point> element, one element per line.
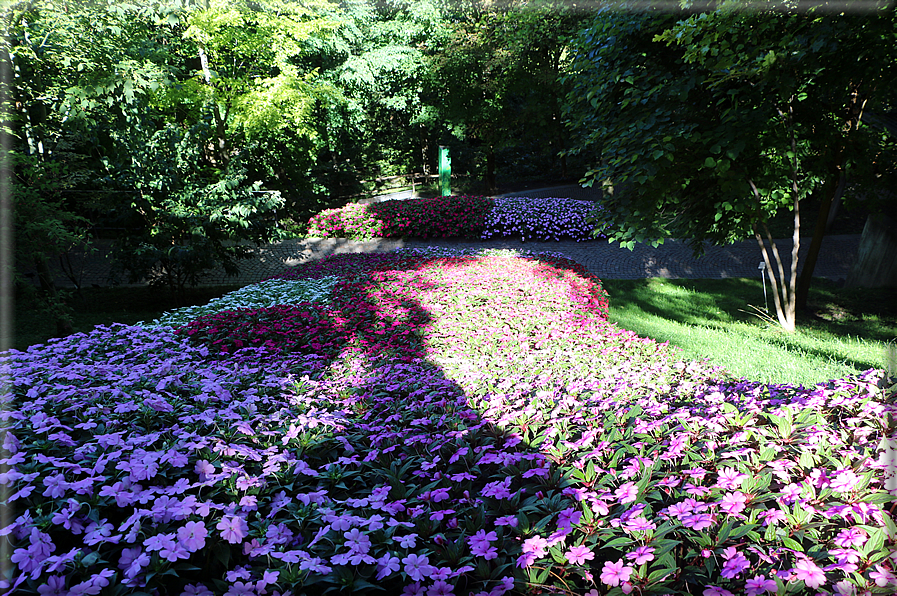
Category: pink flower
<point>641,555</point>
<point>627,493</point>
<point>578,555</point>
<point>614,573</point>
<point>883,577</point>
<point>733,503</point>
<point>806,570</point>
<point>233,529</point>
<point>536,546</point>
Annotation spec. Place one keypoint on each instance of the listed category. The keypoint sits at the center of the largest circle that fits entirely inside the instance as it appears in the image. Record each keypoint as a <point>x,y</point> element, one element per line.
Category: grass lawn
<point>843,332</point>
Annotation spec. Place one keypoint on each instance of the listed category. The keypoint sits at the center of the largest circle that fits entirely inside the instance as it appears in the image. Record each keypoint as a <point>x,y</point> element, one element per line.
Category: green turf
<point>844,331</point>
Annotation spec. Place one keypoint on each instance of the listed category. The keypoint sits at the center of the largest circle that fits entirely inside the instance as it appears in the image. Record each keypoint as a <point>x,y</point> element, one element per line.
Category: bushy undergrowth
<point>465,425</point>
<point>479,218</point>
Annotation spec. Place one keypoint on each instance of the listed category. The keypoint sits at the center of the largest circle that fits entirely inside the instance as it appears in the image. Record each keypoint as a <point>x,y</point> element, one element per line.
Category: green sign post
<point>445,171</point>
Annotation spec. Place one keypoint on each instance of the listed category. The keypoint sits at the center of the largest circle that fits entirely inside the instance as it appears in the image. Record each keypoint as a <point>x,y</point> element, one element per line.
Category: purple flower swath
<point>431,388</point>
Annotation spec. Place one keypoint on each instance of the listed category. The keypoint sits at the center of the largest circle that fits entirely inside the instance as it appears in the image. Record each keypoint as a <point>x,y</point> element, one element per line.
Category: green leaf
<point>709,162</point>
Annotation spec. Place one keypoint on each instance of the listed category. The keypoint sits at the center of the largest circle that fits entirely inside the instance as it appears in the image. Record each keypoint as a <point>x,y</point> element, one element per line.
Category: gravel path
<point>673,259</point>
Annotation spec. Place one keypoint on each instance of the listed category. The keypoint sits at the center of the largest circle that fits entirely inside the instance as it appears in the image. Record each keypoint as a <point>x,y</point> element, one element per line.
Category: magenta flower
<point>759,584</point>
<point>626,493</point>
<point>615,573</point>
<point>716,591</point>
<point>641,555</point>
<point>807,571</point>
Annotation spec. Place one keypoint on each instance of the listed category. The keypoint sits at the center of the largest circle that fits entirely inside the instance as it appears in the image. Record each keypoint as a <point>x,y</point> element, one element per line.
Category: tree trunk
<point>491,187</point>
<point>220,124</point>
<point>51,295</point>
<point>806,275</point>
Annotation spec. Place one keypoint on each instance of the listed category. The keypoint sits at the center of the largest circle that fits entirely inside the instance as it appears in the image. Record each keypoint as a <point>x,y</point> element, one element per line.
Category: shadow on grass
<point>835,315</point>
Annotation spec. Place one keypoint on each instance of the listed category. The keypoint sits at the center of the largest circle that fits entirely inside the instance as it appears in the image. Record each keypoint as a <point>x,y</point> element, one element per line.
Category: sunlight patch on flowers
<point>444,423</point>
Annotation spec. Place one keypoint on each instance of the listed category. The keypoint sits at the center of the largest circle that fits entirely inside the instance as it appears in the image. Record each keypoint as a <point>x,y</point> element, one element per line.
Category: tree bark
<point>63,324</point>
<point>806,274</point>
<point>220,124</point>
<point>491,187</point>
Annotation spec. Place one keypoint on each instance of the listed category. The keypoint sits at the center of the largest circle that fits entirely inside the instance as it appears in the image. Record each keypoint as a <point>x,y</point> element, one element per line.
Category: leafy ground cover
<point>459,217</point>
<point>465,424</point>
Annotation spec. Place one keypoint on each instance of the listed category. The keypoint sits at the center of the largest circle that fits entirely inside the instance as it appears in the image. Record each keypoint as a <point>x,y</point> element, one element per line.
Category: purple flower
<point>481,538</point>
<point>386,565</point>
<point>55,586</point>
<point>440,588</point>
<point>357,542</point>
<point>758,585</point>
<point>417,567</point>
<point>407,541</point>
<point>193,536</point>
<point>484,550</point>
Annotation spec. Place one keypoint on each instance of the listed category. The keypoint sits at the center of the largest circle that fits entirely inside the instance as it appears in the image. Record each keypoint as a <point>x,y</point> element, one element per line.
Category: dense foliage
<point>459,217</point>
<point>184,130</point>
<point>705,127</point>
<point>466,424</point>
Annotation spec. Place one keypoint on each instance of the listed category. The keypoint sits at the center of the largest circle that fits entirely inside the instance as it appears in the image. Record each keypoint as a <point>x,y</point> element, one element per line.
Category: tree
<point>706,127</point>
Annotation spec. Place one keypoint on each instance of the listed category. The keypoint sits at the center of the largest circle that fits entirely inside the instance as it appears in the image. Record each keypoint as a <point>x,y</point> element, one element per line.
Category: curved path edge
<point>673,259</point>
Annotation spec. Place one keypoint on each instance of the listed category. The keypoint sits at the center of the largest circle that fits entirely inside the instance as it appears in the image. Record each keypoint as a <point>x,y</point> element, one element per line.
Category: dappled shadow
<point>409,428</point>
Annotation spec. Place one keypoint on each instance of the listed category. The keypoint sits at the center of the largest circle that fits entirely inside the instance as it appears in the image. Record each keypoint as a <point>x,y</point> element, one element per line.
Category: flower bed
<point>466,424</point>
<point>460,217</point>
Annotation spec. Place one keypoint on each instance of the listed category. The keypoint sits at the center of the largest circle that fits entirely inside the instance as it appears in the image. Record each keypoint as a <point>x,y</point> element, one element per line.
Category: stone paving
<point>673,259</point>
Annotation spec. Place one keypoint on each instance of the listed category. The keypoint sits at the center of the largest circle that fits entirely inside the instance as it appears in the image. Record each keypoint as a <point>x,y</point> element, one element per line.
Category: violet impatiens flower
<point>417,567</point>
<point>233,528</point>
<point>758,585</point>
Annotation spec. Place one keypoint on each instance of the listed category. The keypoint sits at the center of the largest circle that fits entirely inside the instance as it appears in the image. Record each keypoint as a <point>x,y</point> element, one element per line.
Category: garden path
<point>673,259</point>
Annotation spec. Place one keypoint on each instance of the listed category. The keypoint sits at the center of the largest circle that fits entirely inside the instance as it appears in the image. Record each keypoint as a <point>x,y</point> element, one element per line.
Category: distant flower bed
<point>479,218</point>
<point>434,422</point>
